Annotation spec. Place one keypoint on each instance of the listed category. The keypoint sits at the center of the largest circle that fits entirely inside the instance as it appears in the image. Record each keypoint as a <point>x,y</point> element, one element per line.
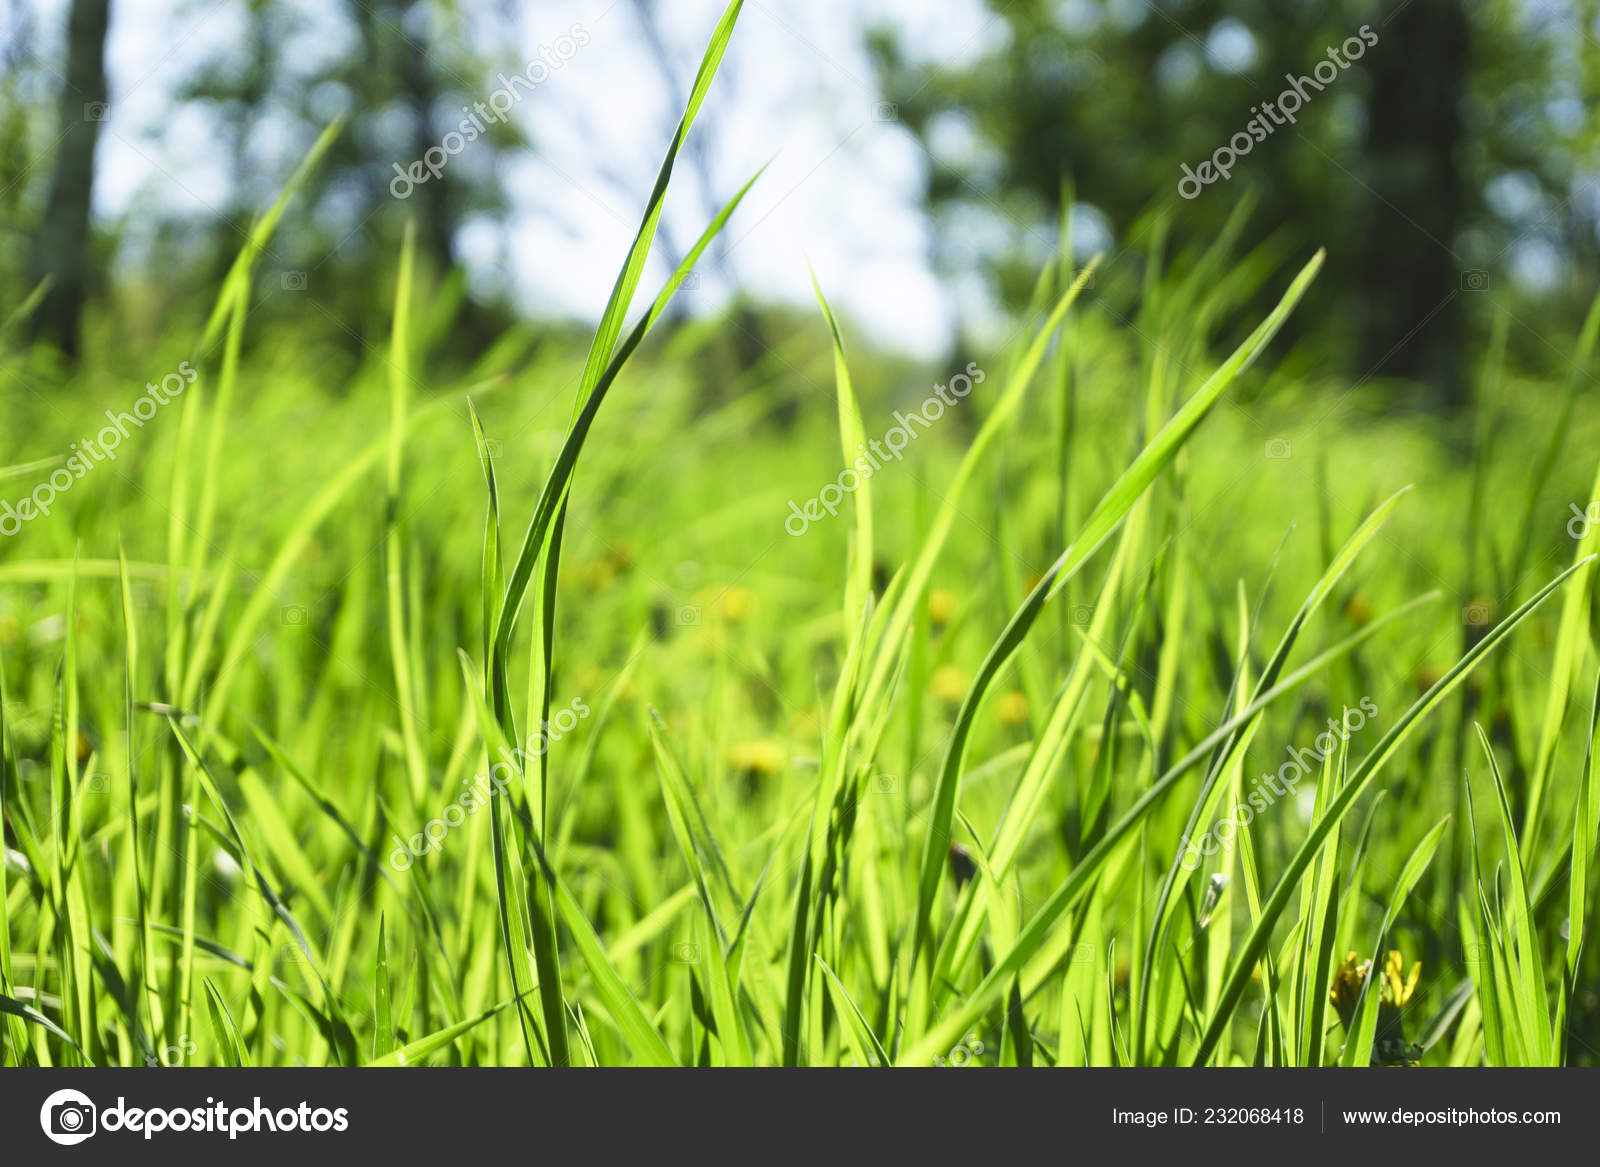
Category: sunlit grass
<point>497,719</point>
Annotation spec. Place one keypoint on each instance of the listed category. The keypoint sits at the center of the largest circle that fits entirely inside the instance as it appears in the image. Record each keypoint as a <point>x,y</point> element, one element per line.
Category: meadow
<point>1153,701</point>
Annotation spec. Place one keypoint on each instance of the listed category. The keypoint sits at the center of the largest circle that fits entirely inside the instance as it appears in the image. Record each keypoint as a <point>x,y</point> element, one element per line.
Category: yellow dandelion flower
<point>1398,986</point>
<point>949,683</point>
<point>1012,708</point>
<point>1347,979</point>
<point>756,758</point>
<point>941,606</point>
<point>1395,987</point>
<point>732,604</point>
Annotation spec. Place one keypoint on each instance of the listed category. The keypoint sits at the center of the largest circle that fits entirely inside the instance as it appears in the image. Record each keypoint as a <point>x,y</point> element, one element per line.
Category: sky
<point>797,90</point>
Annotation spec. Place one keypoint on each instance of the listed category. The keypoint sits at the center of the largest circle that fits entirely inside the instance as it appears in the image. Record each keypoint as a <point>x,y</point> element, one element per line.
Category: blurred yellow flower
<point>1012,708</point>
<point>732,604</point>
<point>737,605</point>
<point>941,606</point>
<point>949,683</point>
<point>756,758</point>
<point>596,575</point>
<point>619,556</point>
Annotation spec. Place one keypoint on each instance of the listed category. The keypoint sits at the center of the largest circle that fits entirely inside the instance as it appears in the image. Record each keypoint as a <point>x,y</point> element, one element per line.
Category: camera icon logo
<point>68,1117</point>
<point>294,281</point>
<point>687,616</point>
<point>293,616</point>
<point>96,111</point>
<point>1278,449</point>
<point>1474,280</point>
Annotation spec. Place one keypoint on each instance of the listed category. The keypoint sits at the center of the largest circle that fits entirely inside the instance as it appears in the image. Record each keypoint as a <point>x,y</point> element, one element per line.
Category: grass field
<point>1147,702</point>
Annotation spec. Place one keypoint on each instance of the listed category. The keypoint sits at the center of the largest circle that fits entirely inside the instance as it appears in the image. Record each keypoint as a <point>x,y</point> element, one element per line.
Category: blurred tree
<point>1410,277</point>
<point>240,90</point>
<point>19,113</point>
<point>394,30</point>
<point>62,255</point>
<point>404,76</point>
<point>1391,160</point>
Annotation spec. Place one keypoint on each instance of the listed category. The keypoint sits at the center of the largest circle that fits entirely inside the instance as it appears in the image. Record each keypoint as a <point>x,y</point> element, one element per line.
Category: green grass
<point>915,787</point>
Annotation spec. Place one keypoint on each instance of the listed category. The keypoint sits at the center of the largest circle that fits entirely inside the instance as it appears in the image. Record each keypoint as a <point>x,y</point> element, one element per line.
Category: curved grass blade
<point>1585,828</point>
<point>1177,874</point>
<point>1097,528</point>
<point>1358,1048</point>
<point>1234,988</point>
<point>1034,937</point>
<point>414,1053</point>
<point>867,1047</point>
<point>642,1037</point>
<point>227,1033</point>
<point>15,1008</point>
<point>853,440</point>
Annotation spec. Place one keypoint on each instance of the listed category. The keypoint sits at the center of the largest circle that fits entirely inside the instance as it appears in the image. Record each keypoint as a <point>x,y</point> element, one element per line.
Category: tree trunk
<point>1412,285</point>
<point>63,242</point>
<point>436,227</point>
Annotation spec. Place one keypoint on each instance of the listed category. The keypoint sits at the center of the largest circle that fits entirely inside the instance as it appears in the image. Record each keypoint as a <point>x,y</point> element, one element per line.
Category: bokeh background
<point>919,153</point>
